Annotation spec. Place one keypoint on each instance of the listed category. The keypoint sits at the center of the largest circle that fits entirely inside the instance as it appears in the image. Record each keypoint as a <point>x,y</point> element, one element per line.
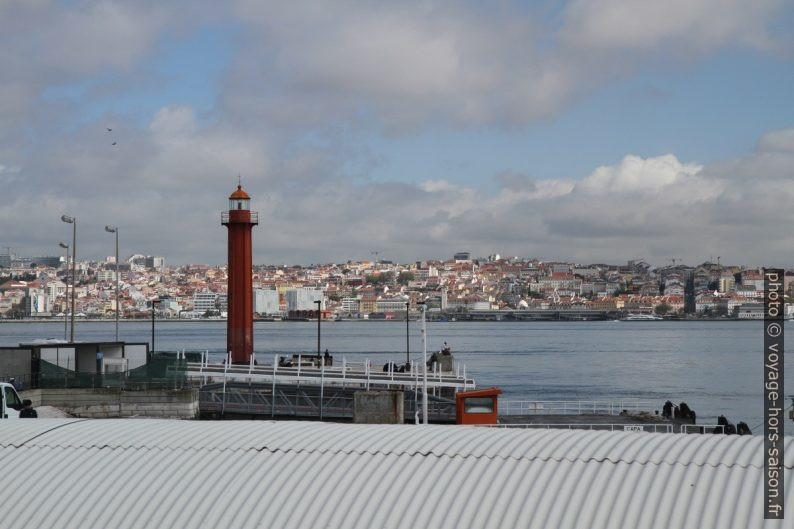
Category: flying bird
<point>114,143</point>
<point>110,130</point>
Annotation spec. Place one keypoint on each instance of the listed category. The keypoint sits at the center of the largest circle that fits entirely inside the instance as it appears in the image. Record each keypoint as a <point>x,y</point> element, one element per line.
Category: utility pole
<point>319,313</point>
<point>154,303</point>
<point>66,295</point>
<point>73,221</point>
<point>115,230</point>
<point>407,334</point>
<point>424,371</point>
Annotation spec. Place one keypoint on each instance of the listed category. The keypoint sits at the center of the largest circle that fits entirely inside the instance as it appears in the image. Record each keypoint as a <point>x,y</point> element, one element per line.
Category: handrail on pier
<point>574,407</point>
<point>346,374</point>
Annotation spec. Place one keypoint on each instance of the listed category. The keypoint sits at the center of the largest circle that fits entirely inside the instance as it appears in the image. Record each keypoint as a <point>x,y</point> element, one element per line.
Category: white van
<point>10,403</point>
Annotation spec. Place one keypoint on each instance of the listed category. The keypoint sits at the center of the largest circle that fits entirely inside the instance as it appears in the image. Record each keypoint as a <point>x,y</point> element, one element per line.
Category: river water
<point>715,367</point>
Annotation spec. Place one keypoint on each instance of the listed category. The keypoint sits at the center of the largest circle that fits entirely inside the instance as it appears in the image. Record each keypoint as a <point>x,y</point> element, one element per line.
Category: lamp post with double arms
<point>115,230</point>
<point>66,295</point>
<point>424,369</point>
<point>73,221</point>
<point>319,315</point>
<point>407,333</point>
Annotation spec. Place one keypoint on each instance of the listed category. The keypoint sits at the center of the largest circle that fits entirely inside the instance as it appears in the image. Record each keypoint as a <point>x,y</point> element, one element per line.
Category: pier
<point>311,389</point>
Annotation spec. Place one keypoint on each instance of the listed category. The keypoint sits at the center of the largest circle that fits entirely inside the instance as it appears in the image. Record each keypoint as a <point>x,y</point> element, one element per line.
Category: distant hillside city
<point>461,287</point>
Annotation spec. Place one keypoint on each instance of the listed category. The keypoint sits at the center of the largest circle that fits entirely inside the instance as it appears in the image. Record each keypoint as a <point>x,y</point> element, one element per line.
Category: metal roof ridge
<point>388,452</point>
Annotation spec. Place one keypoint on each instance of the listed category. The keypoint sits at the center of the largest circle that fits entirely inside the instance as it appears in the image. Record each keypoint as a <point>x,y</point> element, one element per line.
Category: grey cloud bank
<point>379,69</point>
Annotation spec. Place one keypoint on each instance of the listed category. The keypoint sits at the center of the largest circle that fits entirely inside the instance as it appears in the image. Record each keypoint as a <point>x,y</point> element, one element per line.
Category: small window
<point>239,204</point>
<point>12,401</point>
<point>478,405</point>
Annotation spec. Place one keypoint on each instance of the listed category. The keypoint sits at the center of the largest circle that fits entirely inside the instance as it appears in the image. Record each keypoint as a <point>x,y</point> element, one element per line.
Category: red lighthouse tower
<point>240,322</point>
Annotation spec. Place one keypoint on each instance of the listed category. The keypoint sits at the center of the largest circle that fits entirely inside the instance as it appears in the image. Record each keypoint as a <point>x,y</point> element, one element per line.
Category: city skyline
<point>381,289</point>
<point>14,260</point>
<point>552,130</point>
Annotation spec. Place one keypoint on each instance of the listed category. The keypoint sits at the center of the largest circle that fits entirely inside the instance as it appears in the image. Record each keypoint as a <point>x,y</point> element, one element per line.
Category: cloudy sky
<point>591,130</point>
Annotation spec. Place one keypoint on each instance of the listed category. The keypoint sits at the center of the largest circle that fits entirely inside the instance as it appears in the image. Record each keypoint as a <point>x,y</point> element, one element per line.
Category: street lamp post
<point>154,302</point>
<point>66,295</point>
<point>115,230</point>
<point>319,312</point>
<point>407,335</point>
<point>424,371</point>
<point>73,221</point>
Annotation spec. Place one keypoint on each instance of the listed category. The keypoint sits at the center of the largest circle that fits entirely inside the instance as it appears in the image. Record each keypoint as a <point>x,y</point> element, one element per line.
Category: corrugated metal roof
<point>15,433</point>
<point>149,473</point>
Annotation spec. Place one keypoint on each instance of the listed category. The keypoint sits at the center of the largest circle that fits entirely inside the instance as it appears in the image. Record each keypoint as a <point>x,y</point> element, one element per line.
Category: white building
<point>137,262</point>
<point>391,304</point>
<point>673,289</point>
<point>56,289</point>
<point>266,301</point>
<point>706,303</point>
<point>751,311</point>
<point>303,298</point>
<point>204,301</point>
<point>749,292</point>
<point>37,302</point>
<point>351,305</point>
<point>106,275</point>
<point>155,262</point>
<point>727,283</point>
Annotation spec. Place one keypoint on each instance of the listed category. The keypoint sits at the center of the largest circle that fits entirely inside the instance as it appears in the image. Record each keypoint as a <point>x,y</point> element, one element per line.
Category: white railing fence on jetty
<point>311,369</point>
<point>702,428</point>
<point>640,427</point>
<point>637,427</point>
<point>575,407</point>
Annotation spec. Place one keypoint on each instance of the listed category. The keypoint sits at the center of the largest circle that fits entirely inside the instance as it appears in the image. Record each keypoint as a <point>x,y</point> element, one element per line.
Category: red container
<point>478,407</point>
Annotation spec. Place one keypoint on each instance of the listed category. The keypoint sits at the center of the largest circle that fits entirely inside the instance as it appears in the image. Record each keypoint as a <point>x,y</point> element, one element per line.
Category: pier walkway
<point>360,375</point>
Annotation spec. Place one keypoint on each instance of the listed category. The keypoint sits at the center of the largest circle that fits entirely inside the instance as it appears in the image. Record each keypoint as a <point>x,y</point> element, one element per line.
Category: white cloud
<point>777,141</point>
<point>640,175</point>
<point>653,207</point>
<point>696,26</point>
<point>310,69</point>
<point>397,65</point>
<point>170,122</point>
<point>166,194</point>
<point>404,65</point>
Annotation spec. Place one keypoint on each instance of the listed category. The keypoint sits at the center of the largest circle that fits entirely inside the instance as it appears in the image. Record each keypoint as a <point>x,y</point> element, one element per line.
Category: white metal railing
<point>701,428</point>
<point>642,427</point>
<point>573,407</point>
<point>348,373</point>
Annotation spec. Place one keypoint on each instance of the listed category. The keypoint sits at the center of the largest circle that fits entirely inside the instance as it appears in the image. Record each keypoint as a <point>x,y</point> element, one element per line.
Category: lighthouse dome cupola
<point>239,200</point>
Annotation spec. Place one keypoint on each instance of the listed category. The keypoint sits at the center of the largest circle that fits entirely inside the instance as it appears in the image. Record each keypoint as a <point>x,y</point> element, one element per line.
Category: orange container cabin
<point>478,407</point>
